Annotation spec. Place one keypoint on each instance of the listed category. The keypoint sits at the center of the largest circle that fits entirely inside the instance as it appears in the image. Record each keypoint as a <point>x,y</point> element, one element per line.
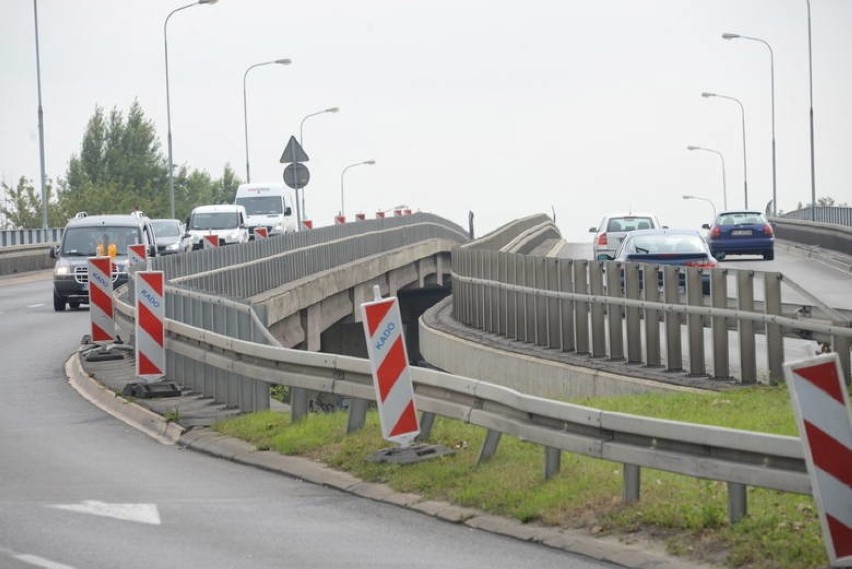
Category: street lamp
<point>742,112</point>
<point>369,162</point>
<point>688,197</point>
<point>168,100</point>
<point>301,143</point>
<point>728,36</point>
<point>724,182</point>
<point>44,222</point>
<point>245,105</point>
<point>811,92</point>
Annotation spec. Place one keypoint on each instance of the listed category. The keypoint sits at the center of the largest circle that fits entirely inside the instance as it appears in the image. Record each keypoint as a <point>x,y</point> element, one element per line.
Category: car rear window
<point>671,243</point>
<point>631,223</point>
<point>740,218</point>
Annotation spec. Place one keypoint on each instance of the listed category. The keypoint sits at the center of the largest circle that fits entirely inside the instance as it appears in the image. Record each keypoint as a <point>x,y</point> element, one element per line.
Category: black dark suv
<point>90,236</point>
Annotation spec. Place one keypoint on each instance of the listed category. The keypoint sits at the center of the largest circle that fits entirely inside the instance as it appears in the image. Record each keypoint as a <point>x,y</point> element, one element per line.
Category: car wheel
<point>58,303</point>
<point>73,304</point>
<point>769,255</point>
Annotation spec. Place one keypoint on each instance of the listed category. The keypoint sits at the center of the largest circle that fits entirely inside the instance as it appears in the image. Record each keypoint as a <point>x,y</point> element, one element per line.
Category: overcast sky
<point>502,108</point>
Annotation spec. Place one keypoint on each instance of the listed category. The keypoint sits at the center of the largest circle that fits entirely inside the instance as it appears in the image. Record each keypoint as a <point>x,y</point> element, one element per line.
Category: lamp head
<point>284,61</point>
<point>727,36</point>
<point>207,1</point>
<point>690,147</point>
<point>371,162</point>
<point>332,110</point>
<point>687,197</point>
<point>707,94</point>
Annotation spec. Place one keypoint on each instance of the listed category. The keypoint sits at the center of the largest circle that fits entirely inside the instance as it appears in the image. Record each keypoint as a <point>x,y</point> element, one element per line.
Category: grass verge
<point>688,515</point>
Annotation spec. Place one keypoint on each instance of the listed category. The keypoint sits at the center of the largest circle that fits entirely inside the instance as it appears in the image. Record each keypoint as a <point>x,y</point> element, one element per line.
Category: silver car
<point>613,227</point>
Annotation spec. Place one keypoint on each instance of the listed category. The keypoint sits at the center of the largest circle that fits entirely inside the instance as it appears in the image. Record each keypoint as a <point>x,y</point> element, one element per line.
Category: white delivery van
<point>227,221</point>
<point>267,205</point>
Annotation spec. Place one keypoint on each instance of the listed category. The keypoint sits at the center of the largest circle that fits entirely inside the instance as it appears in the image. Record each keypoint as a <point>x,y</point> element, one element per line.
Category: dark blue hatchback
<point>741,233</point>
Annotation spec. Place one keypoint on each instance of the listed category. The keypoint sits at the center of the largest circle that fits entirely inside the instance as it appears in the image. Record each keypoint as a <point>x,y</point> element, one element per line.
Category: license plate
<point>741,232</point>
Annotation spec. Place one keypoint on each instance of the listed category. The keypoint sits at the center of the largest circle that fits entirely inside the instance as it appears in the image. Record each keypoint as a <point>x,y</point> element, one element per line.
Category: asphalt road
<point>81,490</point>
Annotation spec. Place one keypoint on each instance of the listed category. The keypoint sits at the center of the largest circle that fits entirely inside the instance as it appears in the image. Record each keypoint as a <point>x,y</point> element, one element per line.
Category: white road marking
<point>41,562</point>
<point>36,305</point>
<point>141,513</point>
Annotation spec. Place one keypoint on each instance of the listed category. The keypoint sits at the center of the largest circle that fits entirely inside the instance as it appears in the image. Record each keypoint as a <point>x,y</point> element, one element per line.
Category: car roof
<point>109,219</point>
<point>219,207</point>
<point>164,219</point>
<point>631,214</point>
<point>683,232</point>
<point>748,211</point>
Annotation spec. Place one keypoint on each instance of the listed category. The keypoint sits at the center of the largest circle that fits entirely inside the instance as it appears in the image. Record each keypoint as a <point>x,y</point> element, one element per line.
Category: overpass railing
<point>620,311</point>
<point>834,215</point>
<point>11,237</point>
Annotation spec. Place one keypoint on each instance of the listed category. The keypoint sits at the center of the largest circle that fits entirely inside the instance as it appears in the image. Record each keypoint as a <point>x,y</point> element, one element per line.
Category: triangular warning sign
<point>294,152</point>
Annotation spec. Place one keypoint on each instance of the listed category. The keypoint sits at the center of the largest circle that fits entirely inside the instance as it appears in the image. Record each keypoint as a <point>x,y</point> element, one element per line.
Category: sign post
<point>296,174</point>
<point>821,403</point>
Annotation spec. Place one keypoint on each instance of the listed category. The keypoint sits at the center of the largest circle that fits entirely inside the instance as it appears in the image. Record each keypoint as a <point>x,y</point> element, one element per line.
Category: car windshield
<point>740,218</point>
<point>96,240</point>
<point>214,220</point>
<point>629,223</point>
<point>259,205</point>
<point>166,228</point>
<point>664,244</point>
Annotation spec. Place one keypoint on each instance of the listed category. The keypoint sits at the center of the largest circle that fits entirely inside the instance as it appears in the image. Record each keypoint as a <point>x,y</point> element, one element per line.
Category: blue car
<point>682,247</point>
<point>741,233</point>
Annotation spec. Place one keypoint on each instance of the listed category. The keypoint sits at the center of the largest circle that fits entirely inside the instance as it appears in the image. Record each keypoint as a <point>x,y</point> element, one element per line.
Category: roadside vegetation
<point>688,516</point>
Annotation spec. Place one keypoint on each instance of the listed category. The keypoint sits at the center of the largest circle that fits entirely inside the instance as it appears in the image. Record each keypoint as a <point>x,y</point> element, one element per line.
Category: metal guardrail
<point>834,215</point>
<point>592,307</point>
<point>11,237</point>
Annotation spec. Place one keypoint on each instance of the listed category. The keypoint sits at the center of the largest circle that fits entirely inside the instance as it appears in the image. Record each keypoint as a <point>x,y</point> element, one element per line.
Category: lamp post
<point>724,181</point>
<point>811,93</point>
<point>688,197</point>
<point>301,143</point>
<point>245,105</point>
<point>369,162</point>
<point>745,162</point>
<point>772,99</point>
<point>168,99</point>
<point>44,222</point>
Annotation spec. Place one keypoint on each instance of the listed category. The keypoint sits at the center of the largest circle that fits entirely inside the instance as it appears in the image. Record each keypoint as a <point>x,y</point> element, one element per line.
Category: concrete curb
<point>826,256</point>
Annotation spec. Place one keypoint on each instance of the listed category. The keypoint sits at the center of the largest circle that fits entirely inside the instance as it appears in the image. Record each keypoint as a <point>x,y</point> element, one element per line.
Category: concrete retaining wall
<point>24,258</point>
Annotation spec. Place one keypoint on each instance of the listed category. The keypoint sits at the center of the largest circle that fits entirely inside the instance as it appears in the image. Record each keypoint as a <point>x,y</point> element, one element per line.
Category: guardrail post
<point>843,345</point>
<point>552,309</point>
<point>542,324</point>
<point>488,273</point>
<point>552,462</point>
<point>631,314</point>
<point>477,296</point>
<point>357,417</point>
<point>299,403</point>
<point>774,338</point>
<point>530,299</point>
<point>458,287</point>
<point>427,421</point>
<point>651,293</point>
<point>598,321</point>
<point>512,297</point>
<point>566,307</point>
<point>632,476</point>
<point>737,501</point>
<point>745,299</point>
<point>615,320</point>
<point>581,313</point>
<point>674,353</point>
<point>719,294</point>
<point>489,445</point>
<point>695,324</point>
<point>501,294</point>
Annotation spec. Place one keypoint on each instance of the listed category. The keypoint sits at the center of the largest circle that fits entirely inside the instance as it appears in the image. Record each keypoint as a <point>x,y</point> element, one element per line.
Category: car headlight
<point>62,268</point>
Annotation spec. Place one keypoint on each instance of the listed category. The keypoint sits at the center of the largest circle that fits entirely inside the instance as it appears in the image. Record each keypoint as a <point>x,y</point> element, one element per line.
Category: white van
<point>227,221</point>
<point>267,205</point>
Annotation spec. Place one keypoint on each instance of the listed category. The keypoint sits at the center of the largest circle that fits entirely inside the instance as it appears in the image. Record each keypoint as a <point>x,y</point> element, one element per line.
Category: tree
<point>23,207</point>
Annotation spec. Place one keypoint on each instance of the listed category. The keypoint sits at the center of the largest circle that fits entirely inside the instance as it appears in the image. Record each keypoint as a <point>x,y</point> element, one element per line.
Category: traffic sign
<point>150,325</point>
<point>391,373</point>
<point>261,233</point>
<point>210,241</point>
<point>137,257</point>
<point>821,404</point>
<point>296,175</point>
<point>293,152</point>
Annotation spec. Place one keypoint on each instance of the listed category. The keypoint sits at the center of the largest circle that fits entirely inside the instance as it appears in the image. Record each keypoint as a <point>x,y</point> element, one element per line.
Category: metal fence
<point>637,313</point>
<point>835,215</point>
<point>11,237</point>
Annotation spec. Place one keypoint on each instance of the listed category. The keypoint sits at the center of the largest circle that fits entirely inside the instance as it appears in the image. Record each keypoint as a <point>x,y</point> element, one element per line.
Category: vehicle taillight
<point>702,264</point>
<point>602,239</point>
<point>714,231</point>
<point>767,230</point>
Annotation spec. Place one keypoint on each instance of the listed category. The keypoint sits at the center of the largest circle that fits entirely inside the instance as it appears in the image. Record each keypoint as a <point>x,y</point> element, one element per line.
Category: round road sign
<point>296,175</point>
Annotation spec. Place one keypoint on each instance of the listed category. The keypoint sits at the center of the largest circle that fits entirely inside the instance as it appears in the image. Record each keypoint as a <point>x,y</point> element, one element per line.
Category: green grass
<point>690,516</point>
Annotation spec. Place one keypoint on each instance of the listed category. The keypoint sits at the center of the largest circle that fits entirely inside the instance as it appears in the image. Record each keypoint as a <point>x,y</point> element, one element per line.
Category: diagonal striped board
<point>150,325</point>
<point>391,374</point>
<point>821,403</point>
<point>100,299</point>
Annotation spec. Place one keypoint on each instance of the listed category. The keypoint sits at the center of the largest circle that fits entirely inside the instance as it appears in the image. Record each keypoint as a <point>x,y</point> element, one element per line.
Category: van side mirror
<point>52,252</point>
<point>593,230</point>
<point>288,210</point>
<point>705,226</point>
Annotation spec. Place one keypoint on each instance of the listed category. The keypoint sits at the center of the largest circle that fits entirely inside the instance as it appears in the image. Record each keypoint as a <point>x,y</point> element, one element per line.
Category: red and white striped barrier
<point>391,374</point>
<point>821,403</point>
<point>261,233</point>
<point>150,325</point>
<point>360,216</point>
<point>307,224</point>
<point>137,258</point>
<point>339,219</point>
<point>380,215</point>
<point>210,241</point>
<point>100,299</point>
